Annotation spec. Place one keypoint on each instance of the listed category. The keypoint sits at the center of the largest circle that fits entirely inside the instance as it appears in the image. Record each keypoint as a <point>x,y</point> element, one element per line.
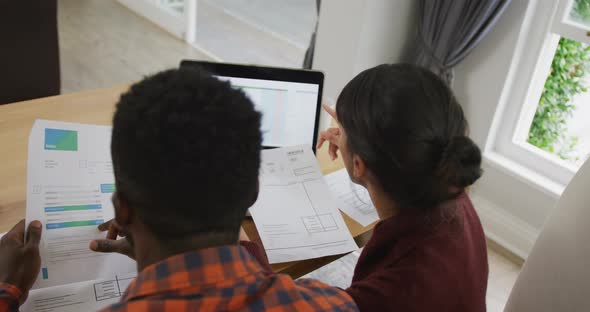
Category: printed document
<point>352,199</point>
<point>70,182</point>
<point>296,214</point>
<point>77,297</point>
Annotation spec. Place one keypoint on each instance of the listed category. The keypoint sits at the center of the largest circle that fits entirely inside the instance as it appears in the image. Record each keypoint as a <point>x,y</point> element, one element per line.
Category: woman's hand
<point>111,243</point>
<point>332,135</point>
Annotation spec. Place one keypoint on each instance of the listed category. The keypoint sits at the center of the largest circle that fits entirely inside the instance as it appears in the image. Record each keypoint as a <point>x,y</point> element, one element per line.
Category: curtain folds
<point>308,60</point>
<point>448,30</point>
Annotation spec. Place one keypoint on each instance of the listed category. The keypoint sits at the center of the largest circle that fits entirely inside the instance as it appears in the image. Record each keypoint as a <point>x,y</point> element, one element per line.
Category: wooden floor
<point>291,20</point>
<point>103,44</point>
<point>503,274</point>
<point>233,34</point>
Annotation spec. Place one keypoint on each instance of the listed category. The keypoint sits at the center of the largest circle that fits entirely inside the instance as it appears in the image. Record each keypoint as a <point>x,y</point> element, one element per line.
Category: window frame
<point>182,25</point>
<point>506,149</point>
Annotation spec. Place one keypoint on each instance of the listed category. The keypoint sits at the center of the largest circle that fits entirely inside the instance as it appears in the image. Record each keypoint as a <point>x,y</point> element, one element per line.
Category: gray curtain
<point>448,30</point>
<point>308,60</point>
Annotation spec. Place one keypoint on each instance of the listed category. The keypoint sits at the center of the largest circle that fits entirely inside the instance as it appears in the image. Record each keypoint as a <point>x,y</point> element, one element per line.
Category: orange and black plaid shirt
<point>9,297</point>
<point>224,278</point>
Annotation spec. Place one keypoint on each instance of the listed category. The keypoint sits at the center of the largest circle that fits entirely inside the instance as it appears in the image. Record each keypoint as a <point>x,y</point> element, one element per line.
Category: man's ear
<point>123,211</point>
<point>255,194</point>
<point>359,169</point>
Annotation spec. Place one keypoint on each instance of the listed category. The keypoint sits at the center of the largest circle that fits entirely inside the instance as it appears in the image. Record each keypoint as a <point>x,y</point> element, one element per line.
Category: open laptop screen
<point>289,100</point>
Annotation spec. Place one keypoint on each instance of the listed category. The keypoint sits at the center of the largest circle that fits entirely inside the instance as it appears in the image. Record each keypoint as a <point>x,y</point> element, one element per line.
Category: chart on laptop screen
<point>288,108</point>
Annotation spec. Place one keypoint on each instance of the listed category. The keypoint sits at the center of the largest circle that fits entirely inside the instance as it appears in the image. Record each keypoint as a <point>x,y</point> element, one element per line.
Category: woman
<point>402,135</point>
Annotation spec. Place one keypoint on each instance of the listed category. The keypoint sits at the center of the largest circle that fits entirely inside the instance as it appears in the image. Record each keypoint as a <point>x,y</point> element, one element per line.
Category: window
<point>178,17</point>
<point>541,133</point>
<point>174,5</point>
<point>560,124</point>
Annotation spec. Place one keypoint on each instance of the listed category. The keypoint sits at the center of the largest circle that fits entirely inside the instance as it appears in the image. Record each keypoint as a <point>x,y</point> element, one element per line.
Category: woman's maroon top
<point>424,263</point>
<point>417,262</point>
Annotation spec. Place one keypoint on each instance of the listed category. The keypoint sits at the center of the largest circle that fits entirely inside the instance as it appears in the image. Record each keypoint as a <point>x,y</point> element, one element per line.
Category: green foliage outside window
<point>581,10</point>
<point>570,64</point>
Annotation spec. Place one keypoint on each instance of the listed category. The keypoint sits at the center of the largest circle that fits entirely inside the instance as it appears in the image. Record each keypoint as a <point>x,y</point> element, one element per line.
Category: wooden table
<point>97,107</point>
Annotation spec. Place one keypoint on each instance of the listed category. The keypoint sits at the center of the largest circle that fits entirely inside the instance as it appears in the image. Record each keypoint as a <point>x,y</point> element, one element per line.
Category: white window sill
<point>523,173</point>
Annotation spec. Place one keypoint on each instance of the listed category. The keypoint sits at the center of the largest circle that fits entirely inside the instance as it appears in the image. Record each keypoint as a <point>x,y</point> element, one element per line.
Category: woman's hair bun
<point>460,164</point>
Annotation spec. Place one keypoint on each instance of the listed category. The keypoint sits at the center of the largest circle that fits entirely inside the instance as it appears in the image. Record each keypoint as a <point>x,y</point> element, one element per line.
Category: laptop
<point>289,99</point>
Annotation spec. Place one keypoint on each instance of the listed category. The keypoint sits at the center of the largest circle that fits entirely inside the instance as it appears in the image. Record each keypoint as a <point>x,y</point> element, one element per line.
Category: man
<point>186,153</point>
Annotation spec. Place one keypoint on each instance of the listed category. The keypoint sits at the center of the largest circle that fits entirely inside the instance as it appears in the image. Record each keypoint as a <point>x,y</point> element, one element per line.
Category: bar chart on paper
<point>72,208</point>
<point>69,210</point>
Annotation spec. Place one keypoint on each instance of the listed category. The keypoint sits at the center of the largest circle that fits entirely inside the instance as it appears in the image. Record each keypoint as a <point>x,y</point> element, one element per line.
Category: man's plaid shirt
<point>224,278</point>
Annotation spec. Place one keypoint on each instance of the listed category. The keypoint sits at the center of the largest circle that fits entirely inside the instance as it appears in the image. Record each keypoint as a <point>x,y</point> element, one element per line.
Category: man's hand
<point>20,261</point>
<point>111,243</point>
<point>332,135</point>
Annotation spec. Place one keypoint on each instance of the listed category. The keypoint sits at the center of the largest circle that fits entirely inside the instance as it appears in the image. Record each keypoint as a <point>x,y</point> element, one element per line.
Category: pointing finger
<point>330,111</point>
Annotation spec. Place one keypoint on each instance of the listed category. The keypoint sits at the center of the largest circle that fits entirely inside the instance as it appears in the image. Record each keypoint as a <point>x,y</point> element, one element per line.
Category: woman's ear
<point>359,169</point>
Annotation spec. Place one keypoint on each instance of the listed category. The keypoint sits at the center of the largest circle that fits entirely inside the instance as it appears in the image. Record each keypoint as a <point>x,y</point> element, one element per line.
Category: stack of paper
<point>353,199</point>
<point>296,214</point>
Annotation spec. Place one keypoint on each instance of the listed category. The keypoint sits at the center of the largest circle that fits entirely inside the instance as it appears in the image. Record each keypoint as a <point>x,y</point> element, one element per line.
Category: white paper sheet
<point>296,215</point>
<point>69,187</point>
<point>353,199</point>
<point>77,297</point>
<point>2,234</point>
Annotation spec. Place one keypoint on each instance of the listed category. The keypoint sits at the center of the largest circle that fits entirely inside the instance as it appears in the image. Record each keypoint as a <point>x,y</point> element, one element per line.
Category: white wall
<point>354,35</point>
<point>358,34</point>
<point>513,212</point>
